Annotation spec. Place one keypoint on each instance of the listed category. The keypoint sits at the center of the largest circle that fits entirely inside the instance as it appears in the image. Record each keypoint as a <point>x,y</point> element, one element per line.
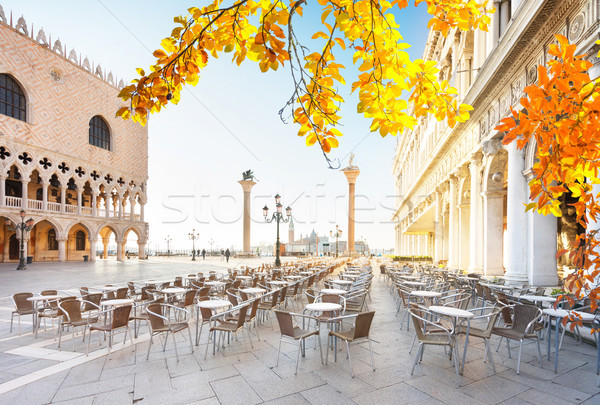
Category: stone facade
<point>49,168</point>
<point>460,193</point>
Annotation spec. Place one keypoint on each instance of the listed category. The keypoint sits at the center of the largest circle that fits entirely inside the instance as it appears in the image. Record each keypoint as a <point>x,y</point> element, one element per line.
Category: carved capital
<point>491,147</point>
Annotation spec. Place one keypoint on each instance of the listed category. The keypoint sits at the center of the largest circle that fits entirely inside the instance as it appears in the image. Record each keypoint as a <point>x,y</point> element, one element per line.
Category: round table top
<point>278,282</point>
<point>44,298</point>
<point>173,290</point>
<point>561,313</point>
<point>323,306</point>
<point>110,288</point>
<point>542,298</point>
<point>253,290</point>
<point>116,303</point>
<point>294,277</point>
<point>214,283</point>
<point>335,291</point>
<point>414,283</point>
<point>499,286</point>
<point>191,277</point>
<point>427,294</point>
<point>214,304</point>
<point>244,277</point>
<point>341,282</point>
<point>352,276</point>
<point>451,311</point>
<point>151,281</point>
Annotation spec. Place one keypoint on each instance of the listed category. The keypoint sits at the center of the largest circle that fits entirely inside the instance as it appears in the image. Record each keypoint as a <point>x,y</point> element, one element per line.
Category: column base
<point>544,280</point>
<point>516,280</point>
<point>494,272</point>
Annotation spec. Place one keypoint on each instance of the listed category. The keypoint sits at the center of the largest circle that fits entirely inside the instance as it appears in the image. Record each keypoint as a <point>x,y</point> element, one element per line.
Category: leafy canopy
<point>262,31</point>
<point>561,114</point>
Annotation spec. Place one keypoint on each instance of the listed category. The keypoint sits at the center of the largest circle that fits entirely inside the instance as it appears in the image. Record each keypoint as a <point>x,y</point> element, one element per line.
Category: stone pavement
<point>34,372</point>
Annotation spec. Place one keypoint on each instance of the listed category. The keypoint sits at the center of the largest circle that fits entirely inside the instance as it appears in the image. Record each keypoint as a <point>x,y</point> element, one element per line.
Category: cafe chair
<point>161,324</point>
<point>291,333</point>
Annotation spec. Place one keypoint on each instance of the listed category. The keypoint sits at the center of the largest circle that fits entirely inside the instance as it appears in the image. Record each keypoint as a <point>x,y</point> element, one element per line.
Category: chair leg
<point>165,344</point>
<point>489,353</point>
<point>372,358</point>
<point>60,338</point>
<point>457,364</point>
<point>12,316</point>
<point>320,347</point>
<point>508,347</point>
<point>298,355</point>
<point>413,343</point>
<point>539,351</point>
<point>327,350</point>
<point>88,345</point>
<point>207,344</point>
<point>519,359</point>
<point>190,336</point>
<point>417,357</point>
<point>174,344</point>
<point>499,343</point>
<point>349,358</point>
<point>278,352</point>
<point>149,346</point>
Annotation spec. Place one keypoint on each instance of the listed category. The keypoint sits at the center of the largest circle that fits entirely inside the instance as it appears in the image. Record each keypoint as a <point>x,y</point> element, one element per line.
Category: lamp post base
<point>22,265</point>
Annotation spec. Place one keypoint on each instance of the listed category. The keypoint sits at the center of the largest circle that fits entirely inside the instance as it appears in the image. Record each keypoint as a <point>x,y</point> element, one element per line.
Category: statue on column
<point>248,175</point>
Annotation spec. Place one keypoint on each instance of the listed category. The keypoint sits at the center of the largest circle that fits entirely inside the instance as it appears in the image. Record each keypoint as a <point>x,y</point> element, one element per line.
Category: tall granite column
<point>247,187</point>
<point>351,173</point>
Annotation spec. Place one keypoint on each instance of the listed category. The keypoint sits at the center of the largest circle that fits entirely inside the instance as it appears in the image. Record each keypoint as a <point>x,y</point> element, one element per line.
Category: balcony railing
<point>36,205</point>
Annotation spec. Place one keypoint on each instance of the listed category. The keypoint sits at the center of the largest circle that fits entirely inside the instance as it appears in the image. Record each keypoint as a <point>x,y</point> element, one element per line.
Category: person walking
<point>203,254</point>
<point>227,254</point>
<point>222,254</point>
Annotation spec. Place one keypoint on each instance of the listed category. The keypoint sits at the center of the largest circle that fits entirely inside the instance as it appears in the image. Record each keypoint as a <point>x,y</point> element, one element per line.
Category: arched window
<point>52,242</point>
<point>80,240</point>
<point>99,133</point>
<point>12,98</point>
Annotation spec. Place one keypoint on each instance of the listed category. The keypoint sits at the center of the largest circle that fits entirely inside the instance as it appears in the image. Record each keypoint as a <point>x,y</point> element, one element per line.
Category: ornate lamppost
<point>193,236</point>
<point>168,239</point>
<point>277,217</point>
<point>211,242</point>
<point>337,234</point>
<point>23,227</point>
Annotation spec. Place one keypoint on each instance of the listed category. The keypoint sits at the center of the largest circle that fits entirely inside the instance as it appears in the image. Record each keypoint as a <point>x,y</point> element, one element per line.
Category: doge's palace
<point>77,171</point>
<point>460,192</point>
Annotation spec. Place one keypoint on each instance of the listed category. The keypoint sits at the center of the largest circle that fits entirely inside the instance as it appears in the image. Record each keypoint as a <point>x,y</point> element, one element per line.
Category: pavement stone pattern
<point>33,371</point>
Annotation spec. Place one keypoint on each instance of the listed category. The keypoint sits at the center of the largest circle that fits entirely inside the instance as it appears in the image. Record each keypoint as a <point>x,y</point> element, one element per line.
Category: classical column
<point>62,249</point>
<point>541,246</point>
<point>78,201</point>
<point>93,243</point>
<point>45,185</point>
<point>94,203</point>
<point>131,207</point>
<point>24,193</point>
<point>105,244</point>
<point>107,204</point>
<point>475,236</point>
<point>142,204</point>
<point>516,218</point>
<point>437,226</point>
<point>247,188</point>
<point>3,177</point>
<point>495,25</point>
<point>119,249</point>
<point>351,173</point>
<point>120,202</point>
<point>63,198</point>
<point>504,13</point>
<point>141,250</point>
<point>453,224</point>
<point>464,214</point>
<point>445,230</point>
<point>493,232</point>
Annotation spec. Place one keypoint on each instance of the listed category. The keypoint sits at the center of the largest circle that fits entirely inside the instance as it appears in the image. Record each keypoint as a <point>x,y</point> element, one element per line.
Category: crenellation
<point>58,48</point>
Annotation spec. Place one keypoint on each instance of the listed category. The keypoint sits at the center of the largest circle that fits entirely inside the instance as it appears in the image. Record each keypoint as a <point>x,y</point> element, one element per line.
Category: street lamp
<point>168,239</point>
<point>193,236</point>
<point>211,243</point>
<point>24,226</point>
<point>337,234</point>
<point>277,217</point>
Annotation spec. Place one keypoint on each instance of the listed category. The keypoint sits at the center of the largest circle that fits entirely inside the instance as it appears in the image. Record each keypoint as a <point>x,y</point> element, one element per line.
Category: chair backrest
<point>233,298</point>
<point>330,298</point>
<point>53,304</point>
<point>242,316</point>
<point>203,292</point>
<point>156,322</point>
<point>21,303</point>
<point>84,291</point>
<point>283,294</point>
<point>93,298</point>
<point>178,282</point>
<point>121,316</point>
<point>363,324</point>
<point>131,287</point>
<point>286,323</point>
<point>274,298</point>
<point>236,284</point>
<point>310,295</point>
<point>493,317</point>
<point>164,285</point>
<point>205,312</point>
<point>71,309</point>
<point>190,295</point>
<point>145,296</point>
<point>121,293</point>
<point>487,292</point>
<point>523,315</point>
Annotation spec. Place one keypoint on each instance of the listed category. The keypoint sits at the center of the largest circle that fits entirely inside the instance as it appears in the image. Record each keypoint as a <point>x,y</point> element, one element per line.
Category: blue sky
<point>227,124</point>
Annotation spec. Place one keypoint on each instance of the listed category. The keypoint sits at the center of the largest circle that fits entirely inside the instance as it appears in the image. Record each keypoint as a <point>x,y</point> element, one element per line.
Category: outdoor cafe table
<point>254,291</point>
<point>497,286</point>
<point>244,279</point>
<point>293,277</point>
<point>278,282</point>
<point>36,300</point>
<point>410,277</point>
<point>537,298</point>
<point>213,305</point>
<point>350,276</point>
<point>456,313</point>
<point>115,303</point>
<point>344,283</point>
<point>414,283</point>
<point>322,307</point>
<point>334,291</point>
<point>559,314</point>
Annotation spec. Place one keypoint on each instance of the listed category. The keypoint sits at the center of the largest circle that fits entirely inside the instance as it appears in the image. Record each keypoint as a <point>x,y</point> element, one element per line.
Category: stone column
<point>141,250</point>
<point>142,204</point>
<point>93,243</point>
<point>495,25</point>
<point>247,188</point>
<point>63,198</point>
<point>131,207</point>
<point>516,219</point>
<point>3,189</point>
<point>119,249</point>
<point>437,226</point>
<point>541,246</point>
<point>445,231</point>
<point>351,173</point>
<point>24,194</point>
<point>504,13</point>
<point>79,201</point>
<point>493,232</point>
<point>464,213</point>
<point>120,202</point>
<point>107,204</point>
<point>62,249</point>
<point>45,185</point>
<point>453,224</point>
<point>94,203</point>
<point>105,244</point>
<point>475,236</point>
